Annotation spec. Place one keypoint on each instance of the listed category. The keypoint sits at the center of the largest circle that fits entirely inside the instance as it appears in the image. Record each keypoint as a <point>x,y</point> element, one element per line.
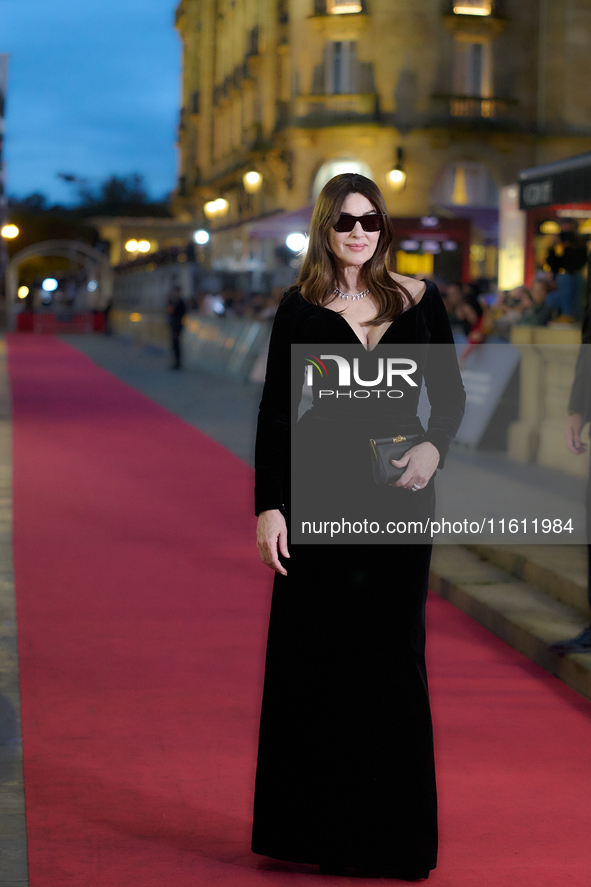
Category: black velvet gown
<point>345,769</point>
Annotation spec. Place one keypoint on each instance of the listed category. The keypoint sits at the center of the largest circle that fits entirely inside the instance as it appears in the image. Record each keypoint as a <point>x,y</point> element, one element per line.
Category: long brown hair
<point>319,272</point>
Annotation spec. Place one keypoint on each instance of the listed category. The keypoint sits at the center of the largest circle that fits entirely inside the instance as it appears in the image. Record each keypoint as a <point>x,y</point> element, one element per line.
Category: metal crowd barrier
<point>229,346</point>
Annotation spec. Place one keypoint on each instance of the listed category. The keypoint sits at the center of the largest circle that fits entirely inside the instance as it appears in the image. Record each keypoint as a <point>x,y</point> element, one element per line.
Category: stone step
<point>526,616</point>
<point>561,570</point>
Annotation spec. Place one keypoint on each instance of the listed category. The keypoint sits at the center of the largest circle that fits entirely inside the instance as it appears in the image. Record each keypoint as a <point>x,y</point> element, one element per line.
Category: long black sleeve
<point>442,379</point>
<point>272,450</point>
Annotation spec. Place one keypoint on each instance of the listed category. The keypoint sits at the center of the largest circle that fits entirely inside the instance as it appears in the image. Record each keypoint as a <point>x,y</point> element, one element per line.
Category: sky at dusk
<point>93,89</point>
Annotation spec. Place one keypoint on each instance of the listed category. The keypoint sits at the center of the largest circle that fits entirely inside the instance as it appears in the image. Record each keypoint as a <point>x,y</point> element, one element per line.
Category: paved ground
<point>13,839</point>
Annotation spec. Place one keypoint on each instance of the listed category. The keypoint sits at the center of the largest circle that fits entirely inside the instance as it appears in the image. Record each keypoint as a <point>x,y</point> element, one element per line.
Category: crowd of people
<point>556,294</point>
<point>478,314</point>
<point>477,310</point>
<point>474,311</point>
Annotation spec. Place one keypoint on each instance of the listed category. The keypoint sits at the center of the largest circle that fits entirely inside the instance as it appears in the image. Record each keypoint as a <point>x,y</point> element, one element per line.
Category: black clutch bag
<point>384,449</point>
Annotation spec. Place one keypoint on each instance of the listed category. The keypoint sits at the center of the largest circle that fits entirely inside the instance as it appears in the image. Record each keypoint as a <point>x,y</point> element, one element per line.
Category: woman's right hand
<point>272,539</point>
<point>573,434</point>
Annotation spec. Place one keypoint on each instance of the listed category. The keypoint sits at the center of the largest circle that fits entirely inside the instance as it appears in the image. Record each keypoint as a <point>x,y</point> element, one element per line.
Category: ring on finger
<point>415,488</point>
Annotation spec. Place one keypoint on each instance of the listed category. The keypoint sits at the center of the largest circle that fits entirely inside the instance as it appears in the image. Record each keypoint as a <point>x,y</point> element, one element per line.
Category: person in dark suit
<point>176,310</point>
<point>566,258</point>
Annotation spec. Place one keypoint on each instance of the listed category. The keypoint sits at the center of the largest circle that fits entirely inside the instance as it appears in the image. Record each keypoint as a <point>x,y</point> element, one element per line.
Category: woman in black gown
<point>345,773</point>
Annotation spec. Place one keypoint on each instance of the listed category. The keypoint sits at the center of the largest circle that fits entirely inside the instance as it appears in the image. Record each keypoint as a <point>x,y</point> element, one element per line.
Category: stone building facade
<point>441,102</point>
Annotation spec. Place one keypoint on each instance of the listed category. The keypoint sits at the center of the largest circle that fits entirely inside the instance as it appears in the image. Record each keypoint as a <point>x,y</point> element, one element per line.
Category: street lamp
<point>216,208</point>
<point>397,176</point>
<point>9,232</point>
<point>201,236</point>
<point>296,242</point>
<point>252,181</point>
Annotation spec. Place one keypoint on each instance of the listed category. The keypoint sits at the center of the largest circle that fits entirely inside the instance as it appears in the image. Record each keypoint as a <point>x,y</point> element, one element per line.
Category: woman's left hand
<point>420,463</point>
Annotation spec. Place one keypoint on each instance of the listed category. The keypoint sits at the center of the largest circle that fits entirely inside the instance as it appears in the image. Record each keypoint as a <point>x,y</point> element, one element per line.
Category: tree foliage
<point>124,195</point>
<point>39,220</point>
<point>116,196</point>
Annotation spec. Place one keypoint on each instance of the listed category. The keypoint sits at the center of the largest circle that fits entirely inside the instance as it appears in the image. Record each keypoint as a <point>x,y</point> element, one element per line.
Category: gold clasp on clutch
<point>372,444</point>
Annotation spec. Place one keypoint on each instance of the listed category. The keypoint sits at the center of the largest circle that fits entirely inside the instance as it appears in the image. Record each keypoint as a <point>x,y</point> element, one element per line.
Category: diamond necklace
<point>348,296</point>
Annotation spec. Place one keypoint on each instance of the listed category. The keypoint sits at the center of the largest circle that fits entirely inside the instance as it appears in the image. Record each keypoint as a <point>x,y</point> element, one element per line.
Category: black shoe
<point>580,644</point>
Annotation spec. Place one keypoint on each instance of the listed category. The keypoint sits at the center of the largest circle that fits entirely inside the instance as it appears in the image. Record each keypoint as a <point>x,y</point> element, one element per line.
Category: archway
<point>336,167</point>
<point>468,189</point>
<point>97,265</point>
<point>465,183</point>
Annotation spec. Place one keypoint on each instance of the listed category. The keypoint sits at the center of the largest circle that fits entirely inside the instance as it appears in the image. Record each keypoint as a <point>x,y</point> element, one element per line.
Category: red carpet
<point>142,608</point>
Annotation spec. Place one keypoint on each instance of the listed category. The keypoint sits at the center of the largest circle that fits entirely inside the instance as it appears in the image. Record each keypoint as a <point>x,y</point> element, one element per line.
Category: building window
<point>341,7</point>
<point>473,7</point>
<point>473,68</point>
<point>252,47</point>
<point>341,68</point>
<point>283,12</point>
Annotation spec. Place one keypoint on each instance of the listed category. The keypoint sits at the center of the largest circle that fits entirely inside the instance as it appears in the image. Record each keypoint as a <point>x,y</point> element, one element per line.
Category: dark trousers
<point>568,297</point>
<point>175,334</point>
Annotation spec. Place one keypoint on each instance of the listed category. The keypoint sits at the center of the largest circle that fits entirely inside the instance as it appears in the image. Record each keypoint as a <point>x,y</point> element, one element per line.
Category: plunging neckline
<point>392,322</point>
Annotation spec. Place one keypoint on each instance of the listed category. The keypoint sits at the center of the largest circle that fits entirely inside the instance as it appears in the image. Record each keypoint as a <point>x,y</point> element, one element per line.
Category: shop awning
<point>565,181</point>
<point>282,224</point>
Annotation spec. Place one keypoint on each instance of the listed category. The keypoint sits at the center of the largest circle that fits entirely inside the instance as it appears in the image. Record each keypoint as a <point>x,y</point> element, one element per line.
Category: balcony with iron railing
<point>326,110</point>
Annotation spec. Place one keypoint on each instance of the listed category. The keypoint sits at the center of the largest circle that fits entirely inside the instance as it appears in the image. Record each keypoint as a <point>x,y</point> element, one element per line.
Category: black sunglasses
<point>370,222</point>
